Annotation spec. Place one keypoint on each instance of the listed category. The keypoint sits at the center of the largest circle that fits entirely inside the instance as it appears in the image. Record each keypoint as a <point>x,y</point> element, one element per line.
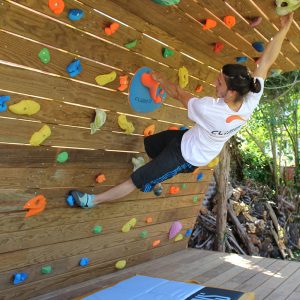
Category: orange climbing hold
<point>149,130</point>
<point>209,24</point>
<point>57,6</point>
<point>112,28</point>
<point>123,83</point>
<point>229,21</point>
<point>174,190</point>
<point>199,89</point>
<point>173,128</point>
<point>35,205</point>
<point>100,178</point>
<point>149,220</point>
<point>218,47</point>
<point>153,85</point>
<point>156,243</point>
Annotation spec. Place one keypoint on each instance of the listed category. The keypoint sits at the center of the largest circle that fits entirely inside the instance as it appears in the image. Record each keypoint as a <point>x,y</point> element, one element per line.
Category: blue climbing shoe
<point>83,200</point>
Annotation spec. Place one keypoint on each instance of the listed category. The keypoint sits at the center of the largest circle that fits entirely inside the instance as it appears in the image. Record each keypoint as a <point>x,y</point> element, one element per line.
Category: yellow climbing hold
<point>40,136</point>
<point>214,162</point>
<point>99,121</point>
<point>106,78</point>
<point>183,75</point>
<point>25,107</point>
<point>125,125</point>
<point>121,264</point>
<point>129,225</point>
<point>178,237</point>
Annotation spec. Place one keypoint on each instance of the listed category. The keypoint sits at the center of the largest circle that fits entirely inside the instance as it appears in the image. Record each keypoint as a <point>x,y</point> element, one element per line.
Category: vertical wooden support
<point>221,176</point>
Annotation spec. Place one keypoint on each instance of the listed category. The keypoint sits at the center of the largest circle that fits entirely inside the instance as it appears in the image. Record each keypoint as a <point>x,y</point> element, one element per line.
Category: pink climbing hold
<point>175,229</point>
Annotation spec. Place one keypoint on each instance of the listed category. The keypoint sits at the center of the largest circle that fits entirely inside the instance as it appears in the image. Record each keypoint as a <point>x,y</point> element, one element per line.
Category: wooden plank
<point>294,296</point>
<point>15,221</point>
<point>64,90</point>
<point>43,286</point>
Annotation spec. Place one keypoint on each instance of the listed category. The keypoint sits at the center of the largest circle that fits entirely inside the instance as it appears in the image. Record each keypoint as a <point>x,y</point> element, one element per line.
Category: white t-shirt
<point>215,124</point>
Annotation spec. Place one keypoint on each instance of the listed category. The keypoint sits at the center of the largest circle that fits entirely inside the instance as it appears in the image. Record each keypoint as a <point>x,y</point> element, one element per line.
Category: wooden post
<point>221,176</point>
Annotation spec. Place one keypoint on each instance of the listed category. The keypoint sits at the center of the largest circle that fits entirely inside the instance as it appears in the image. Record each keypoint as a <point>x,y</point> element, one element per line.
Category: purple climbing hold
<point>3,105</point>
<point>19,278</point>
<point>74,68</point>
<point>175,229</point>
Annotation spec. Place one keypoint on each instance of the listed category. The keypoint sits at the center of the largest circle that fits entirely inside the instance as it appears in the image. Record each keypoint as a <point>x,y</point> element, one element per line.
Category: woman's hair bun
<point>255,85</point>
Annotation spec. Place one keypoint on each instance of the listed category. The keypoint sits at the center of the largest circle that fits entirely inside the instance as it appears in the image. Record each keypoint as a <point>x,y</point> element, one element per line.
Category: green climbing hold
<point>62,157</point>
<point>195,199</point>
<point>166,2</point>
<point>46,269</point>
<point>131,44</point>
<point>167,52</point>
<point>97,229</point>
<point>144,234</point>
<point>44,56</point>
<point>183,186</point>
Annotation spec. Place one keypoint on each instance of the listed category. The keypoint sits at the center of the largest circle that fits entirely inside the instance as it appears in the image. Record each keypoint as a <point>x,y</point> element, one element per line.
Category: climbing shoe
<point>83,200</point>
<point>157,190</point>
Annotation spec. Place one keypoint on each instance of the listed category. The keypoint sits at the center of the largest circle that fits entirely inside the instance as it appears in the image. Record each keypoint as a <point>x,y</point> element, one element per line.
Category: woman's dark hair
<point>238,79</point>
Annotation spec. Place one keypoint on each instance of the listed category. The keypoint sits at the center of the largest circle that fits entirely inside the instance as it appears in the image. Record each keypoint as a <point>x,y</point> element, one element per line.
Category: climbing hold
<point>156,93</point>
<point>275,72</point>
<point>75,14</point>
<point>167,52</point>
<point>155,243</point>
<point>179,237</point>
<point>125,125</point>
<point>284,7</point>
<point>97,229</point>
<point>57,6</point>
<point>166,2</point>
<point>173,128</point>
<point>19,277</point>
<point>121,264</point>
<point>229,21</point>
<point>144,234</point>
<point>35,205</point>
<point>195,199</point>
<point>44,56</point>
<point>3,105</point>
<point>46,269</point>
<point>84,261</point>
<point>25,107</point>
<point>183,128</point>
<point>183,186</point>
<point>174,229</point>
<point>100,178</point>
<point>209,24</point>
<point>183,75</point>
<point>112,28</point>
<point>258,46</point>
<point>62,157</point>
<point>100,118</point>
<point>241,59</point>
<point>131,44</point>
<point>157,190</point>
<point>218,47</point>
<point>149,220</point>
<point>70,201</point>
<point>106,78</point>
<point>214,162</point>
<point>199,89</point>
<point>174,190</point>
<point>137,162</point>
<point>255,21</point>
<point>40,136</point>
<point>129,225</point>
<point>188,232</point>
<point>200,176</point>
<point>123,83</point>
<point>149,130</point>
<point>74,68</point>
<point>196,170</point>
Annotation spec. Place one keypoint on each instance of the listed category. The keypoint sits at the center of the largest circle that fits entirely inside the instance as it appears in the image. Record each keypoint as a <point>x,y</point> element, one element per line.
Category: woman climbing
<point>176,151</point>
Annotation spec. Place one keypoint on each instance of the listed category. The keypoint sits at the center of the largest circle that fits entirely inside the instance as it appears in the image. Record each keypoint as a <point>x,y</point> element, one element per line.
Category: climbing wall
<point>42,253</point>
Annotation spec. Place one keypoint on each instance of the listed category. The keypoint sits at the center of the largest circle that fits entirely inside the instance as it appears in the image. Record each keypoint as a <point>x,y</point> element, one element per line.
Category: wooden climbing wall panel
<point>60,236</point>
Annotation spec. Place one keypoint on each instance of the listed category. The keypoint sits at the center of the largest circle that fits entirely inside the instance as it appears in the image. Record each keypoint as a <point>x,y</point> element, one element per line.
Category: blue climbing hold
<point>70,200</point>
<point>75,14</point>
<point>74,68</point>
<point>19,277</point>
<point>241,59</point>
<point>184,128</point>
<point>200,176</point>
<point>3,105</point>
<point>188,232</point>
<point>84,261</point>
<point>258,46</point>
